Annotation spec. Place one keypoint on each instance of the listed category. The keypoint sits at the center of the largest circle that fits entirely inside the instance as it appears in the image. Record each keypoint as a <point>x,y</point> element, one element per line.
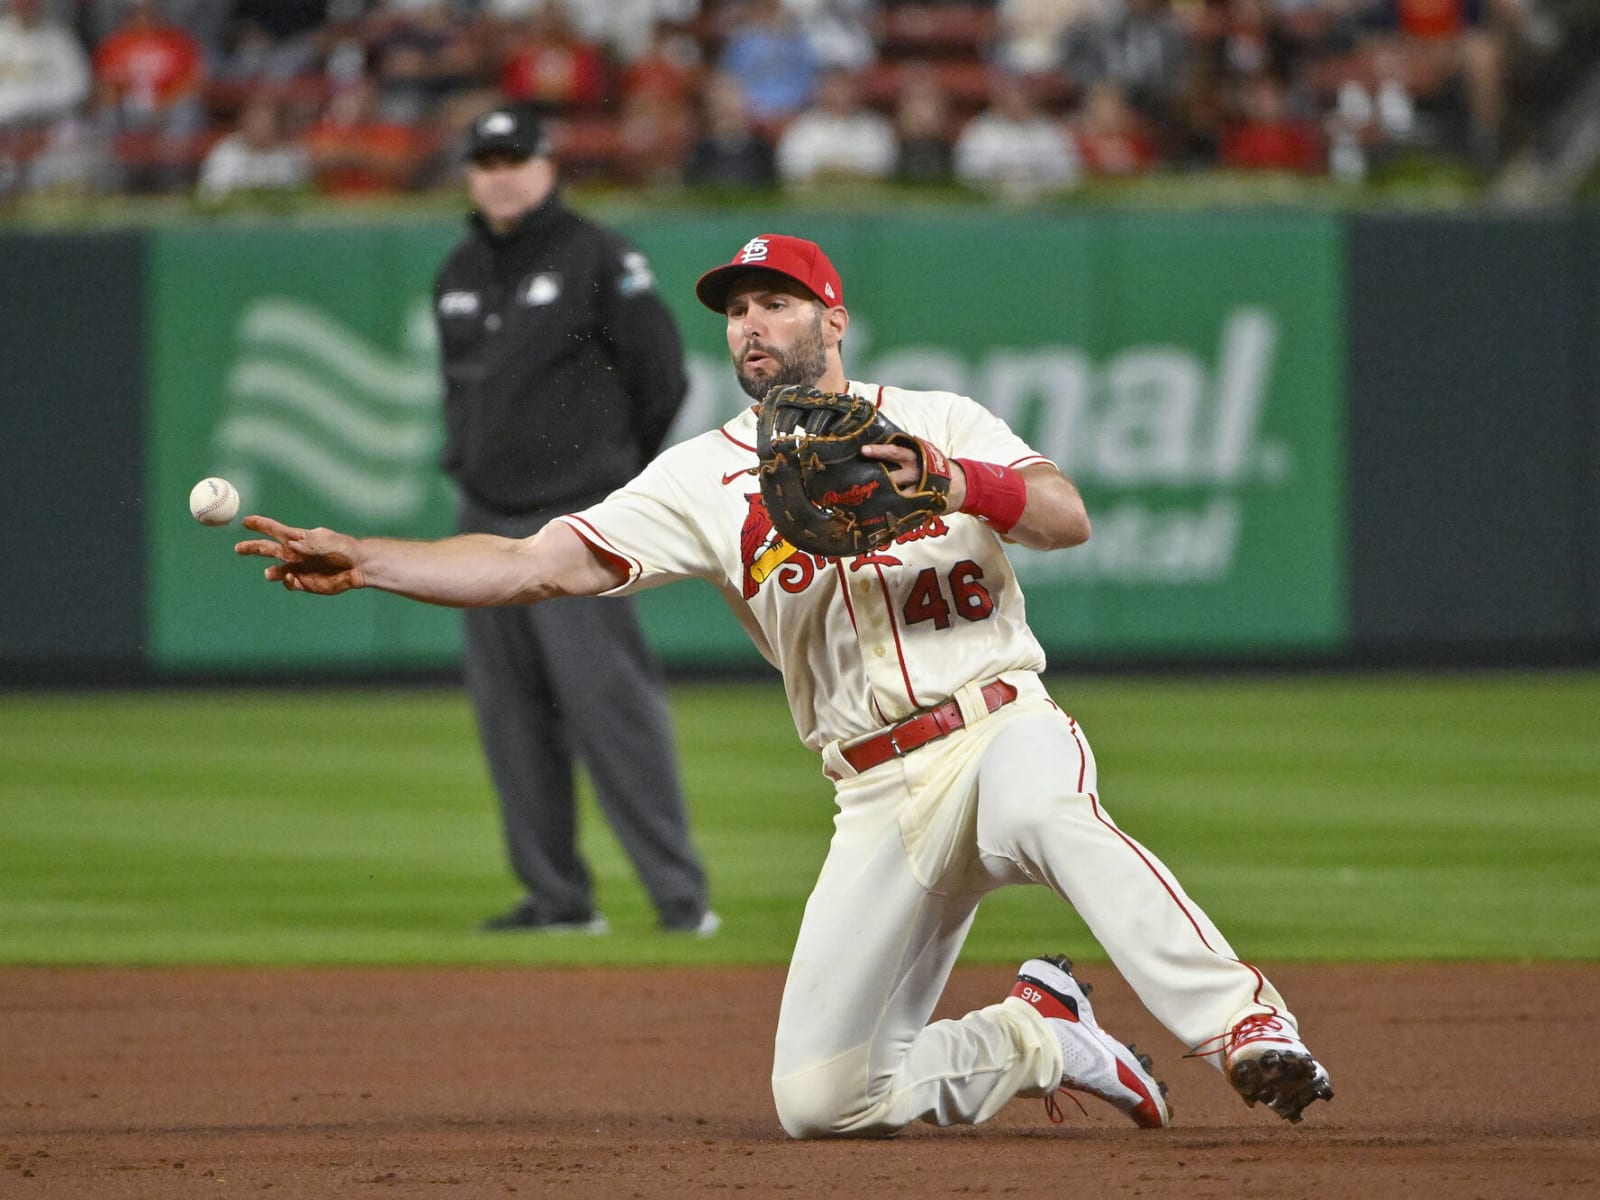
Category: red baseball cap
<point>792,257</point>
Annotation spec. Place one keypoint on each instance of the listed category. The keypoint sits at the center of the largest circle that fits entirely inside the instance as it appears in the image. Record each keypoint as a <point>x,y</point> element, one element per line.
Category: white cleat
<point>1092,1060</point>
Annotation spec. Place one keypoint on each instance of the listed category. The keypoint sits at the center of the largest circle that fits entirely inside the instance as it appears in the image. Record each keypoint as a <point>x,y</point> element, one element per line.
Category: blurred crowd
<point>1015,97</point>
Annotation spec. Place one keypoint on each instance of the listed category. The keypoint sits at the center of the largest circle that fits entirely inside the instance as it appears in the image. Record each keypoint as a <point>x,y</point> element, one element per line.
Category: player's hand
<point>905,471</point>
<point>320,561</point>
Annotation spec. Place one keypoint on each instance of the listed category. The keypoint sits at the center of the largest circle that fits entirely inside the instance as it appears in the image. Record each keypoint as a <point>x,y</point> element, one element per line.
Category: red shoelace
<point>1252,1028</point>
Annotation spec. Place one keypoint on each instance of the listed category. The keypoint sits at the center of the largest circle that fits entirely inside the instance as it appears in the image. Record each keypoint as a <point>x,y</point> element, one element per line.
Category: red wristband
<point>995,494</point>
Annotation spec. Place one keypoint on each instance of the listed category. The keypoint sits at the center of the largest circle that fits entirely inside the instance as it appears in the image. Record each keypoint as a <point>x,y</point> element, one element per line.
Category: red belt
<point>921,729</point>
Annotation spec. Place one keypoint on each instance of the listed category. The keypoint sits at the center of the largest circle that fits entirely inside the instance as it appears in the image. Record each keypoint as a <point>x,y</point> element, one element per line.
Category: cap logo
<point>755,250</point>
<point>827,290</point>
<point>497,124</point>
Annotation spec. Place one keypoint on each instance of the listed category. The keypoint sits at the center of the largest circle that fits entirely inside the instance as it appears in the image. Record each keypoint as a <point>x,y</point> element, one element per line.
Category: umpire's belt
<point>926,726</point>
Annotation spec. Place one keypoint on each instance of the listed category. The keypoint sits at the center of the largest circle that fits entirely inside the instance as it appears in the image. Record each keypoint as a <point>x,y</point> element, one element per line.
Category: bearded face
<point>762,365</point>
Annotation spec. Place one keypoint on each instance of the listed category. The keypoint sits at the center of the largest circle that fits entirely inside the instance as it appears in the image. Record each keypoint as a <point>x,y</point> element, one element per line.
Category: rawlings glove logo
<point>823,495</point>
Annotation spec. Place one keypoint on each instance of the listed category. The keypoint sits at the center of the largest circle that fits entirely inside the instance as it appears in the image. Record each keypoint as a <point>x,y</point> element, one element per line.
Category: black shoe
<point>526,916</point>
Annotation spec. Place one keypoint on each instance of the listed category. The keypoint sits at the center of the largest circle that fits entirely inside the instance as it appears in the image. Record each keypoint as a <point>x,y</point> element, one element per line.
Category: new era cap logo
<point>755,250</point>
<point>827,290</point>
<point>497,124</point>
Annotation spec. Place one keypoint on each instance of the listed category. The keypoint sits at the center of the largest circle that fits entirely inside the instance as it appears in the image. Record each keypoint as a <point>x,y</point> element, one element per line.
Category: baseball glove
<point>821,494</point>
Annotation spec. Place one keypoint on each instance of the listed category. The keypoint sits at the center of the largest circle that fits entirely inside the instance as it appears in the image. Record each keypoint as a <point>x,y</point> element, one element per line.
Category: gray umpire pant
<point>567,681</point>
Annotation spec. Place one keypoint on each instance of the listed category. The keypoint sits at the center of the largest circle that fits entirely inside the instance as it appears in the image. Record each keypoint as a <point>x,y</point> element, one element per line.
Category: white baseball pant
<point>918,841</point>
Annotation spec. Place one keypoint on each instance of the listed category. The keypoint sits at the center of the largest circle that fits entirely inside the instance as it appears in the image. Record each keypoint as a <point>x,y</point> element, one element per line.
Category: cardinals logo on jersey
<point>761,547</point>
<point>765,551</point>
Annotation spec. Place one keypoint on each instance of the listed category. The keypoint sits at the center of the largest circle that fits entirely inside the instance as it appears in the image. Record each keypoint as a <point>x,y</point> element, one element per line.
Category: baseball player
<point>912,671</point>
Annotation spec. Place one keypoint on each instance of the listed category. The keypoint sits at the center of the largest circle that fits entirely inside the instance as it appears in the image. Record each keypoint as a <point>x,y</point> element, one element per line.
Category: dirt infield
<point>1458,1081</point>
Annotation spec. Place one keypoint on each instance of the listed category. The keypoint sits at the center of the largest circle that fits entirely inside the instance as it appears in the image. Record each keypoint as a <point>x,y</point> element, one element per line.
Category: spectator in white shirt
<point>44,80</point>
<point>838,137</point>
<point>1012,148</point>
<point>256,157</point>
<point>1029,33</point>
<point>44,71</point>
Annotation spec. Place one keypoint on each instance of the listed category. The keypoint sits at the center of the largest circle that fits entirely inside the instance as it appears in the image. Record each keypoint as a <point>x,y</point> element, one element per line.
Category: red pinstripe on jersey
<point>844,590</point>
<point>850,609</point>
<point>894,628</point>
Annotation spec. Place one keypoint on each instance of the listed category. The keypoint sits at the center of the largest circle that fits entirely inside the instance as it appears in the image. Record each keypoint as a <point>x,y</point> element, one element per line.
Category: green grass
<point>1315,818</point>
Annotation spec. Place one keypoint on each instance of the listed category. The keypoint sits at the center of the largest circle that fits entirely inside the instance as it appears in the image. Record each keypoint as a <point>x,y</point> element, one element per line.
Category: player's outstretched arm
<point>472,570</point>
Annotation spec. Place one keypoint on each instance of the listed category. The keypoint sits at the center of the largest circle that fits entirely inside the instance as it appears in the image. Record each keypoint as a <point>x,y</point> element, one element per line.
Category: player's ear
<point>835,321</point>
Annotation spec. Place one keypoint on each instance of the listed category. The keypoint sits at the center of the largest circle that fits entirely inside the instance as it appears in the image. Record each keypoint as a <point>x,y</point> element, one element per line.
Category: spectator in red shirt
<point>148,77</point>
<point>657,126</point>
<point>671,67</point>
<point>148,72</point>
<point>1433,18</point>
<point>546,62</point>
<point>1112,137</point>
<point>355,152</point>
<point>1266,135</point>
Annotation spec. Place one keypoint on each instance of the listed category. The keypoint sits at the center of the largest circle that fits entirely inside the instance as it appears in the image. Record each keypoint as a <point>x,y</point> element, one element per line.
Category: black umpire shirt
<point>562,367</point>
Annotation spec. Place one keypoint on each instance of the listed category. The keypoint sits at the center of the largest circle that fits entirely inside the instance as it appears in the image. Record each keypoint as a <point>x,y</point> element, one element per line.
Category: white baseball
<point>214,501</point>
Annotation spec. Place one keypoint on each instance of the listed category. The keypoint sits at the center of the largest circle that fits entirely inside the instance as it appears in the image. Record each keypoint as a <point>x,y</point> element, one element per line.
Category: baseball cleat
<point>1092,1061</point>
<point>525,917</point>
<point>705,925</point>
<point>1267,1063</point>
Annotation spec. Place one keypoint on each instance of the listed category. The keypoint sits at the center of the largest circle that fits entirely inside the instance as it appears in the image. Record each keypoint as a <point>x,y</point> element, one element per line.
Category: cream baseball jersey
<point>861,641</point>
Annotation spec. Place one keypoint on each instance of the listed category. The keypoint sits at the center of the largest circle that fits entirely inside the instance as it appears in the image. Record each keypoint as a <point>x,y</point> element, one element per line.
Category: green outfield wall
<point>1187,372</point>
<point>1287,425</point>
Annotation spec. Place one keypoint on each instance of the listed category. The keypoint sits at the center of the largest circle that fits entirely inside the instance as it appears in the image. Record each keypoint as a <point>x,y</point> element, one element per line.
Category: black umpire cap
<point>516,131</point>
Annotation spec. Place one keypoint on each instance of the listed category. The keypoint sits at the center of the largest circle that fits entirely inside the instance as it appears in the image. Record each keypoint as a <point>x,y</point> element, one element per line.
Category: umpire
<point>562,372</point>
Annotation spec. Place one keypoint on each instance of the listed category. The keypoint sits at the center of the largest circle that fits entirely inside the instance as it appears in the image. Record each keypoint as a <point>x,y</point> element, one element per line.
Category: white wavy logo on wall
<point>315,401</point>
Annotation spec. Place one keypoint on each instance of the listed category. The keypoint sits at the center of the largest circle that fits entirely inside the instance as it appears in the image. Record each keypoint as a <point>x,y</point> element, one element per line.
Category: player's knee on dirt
<point>824,1101</point>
